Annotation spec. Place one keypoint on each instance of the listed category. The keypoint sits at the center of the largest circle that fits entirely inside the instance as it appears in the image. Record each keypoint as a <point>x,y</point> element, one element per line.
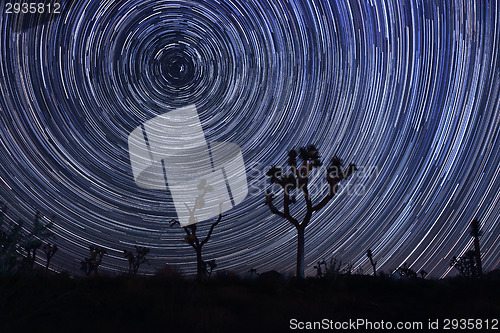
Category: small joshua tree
<point>320,273</point>
<point>91,263</point>
<point>209,265</point>
<point>374,264</point>
<point>193,240</point>
<point>10,237</point>
<point>14,243</point>
<point>332,269</point>
<point>34,240</point>
<point>49,250</point>
<point>405,271</point>
<point>135,261</point>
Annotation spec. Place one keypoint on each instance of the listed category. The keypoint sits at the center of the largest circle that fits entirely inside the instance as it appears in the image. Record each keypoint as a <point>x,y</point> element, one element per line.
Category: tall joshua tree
<point>374,264</point>
<point>192,239</point>
<point>476,233</point>
<point>301,164</point>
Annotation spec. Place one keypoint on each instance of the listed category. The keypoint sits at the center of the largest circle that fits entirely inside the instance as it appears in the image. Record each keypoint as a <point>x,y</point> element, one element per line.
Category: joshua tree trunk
<point>369,254</point>
<point>478,255</point>
<point>199,264</point>
<point>374,268</point>
<point>475,232</point>
<point>300,252</point>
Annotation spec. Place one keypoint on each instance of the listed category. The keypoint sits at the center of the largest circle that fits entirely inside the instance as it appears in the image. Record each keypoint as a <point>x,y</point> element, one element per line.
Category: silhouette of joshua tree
<point>135,261</point>
<point>91,264</point>
<point>374,264</point>
<point>319,268</point>
<point>49,250</point>
<point>202,266</point>
<point>405,271</point>
<point>33,241</point>
<point>9,240</point>
<point>13,242</point>
<point>298,179</point>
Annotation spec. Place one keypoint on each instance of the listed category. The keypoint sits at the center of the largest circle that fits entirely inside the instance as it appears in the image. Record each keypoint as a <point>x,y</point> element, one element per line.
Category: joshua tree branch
<point>274,210</point>
<point>278,181</point>
<point>212,227</point>
<point>191,236</point>
<point>307,218</point>
<point>331,193</point>
<point>305,167</point>
<point>286,204</point>
<point>305,190</point>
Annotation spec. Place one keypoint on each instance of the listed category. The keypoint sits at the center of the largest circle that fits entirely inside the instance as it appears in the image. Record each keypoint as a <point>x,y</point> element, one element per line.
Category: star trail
<point>407,90</point>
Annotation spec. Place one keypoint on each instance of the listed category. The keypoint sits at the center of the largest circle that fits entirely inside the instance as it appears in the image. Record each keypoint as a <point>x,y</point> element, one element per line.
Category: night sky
<point>407,90</point>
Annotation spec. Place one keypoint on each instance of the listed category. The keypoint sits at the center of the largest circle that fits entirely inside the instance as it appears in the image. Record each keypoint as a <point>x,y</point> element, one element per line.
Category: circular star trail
<point>409,91</point>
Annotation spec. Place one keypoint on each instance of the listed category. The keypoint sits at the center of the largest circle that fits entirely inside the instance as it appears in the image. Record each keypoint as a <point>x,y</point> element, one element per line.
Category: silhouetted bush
<point>18,247</point>
<point>169,272</point>
<point>406,272</point>
<point>466,265</point>
<point>332,269</point>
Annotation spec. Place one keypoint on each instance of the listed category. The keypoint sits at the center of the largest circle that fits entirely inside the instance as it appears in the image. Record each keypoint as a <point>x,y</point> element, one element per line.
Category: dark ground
<point>229,304</point>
